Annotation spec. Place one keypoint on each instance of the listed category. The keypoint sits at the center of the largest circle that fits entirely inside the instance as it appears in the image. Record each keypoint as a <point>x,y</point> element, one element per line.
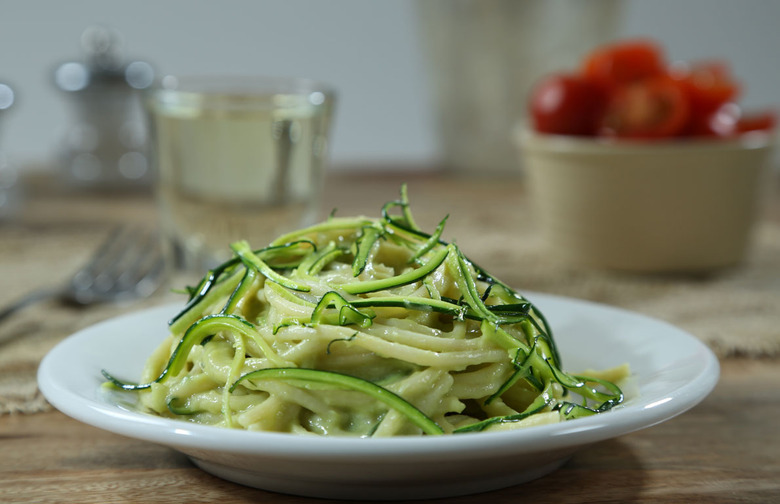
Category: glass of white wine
<point>237,158</point>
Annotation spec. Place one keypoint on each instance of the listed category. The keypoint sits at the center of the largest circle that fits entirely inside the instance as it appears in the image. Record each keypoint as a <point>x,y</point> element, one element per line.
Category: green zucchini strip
<point>212,277</point>
<point>502,338</point>
<point>522,370</point>
<point>347,313</point>
<point>546,333</point>
<point>512,312</point>
<point>331,225</point>
<point>432,242</point>
<point>398,280</point>
<point>215,276</point>
<point>407,209</point>
<point>403,234</point>
<point>511,344</point>
<point>365,243</point>
<point>473,298</point>
<point>250,275</point>
<point>347,382</point>
<point>406,218</point>
<point>543,329</point>
<point>178,409</point>
<point>541,402</point>
<point>579,385</point>
<point>250,259</point>
<point>289,295</point>
<point>467,286</point>
<point>326,259</point>
<point>317,260</point>
<point>339,340</point>
<point>533,333</point>
<point>290,254</point>
<point>569,410</point>
<point>203,328</point>
<point>412,303</point>
<point>195,308</point>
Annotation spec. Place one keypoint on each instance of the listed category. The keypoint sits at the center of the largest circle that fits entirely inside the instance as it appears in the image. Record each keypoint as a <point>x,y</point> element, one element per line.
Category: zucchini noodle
<point>363,327</point>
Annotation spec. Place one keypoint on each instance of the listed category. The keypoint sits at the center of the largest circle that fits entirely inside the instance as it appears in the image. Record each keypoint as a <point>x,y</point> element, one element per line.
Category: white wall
<point>366,49</point>
<point>369,50</point>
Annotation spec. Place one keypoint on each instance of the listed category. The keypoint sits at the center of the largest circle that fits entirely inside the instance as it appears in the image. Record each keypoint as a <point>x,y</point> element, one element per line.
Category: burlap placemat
<point>733,311</point>
<point>26,339</point>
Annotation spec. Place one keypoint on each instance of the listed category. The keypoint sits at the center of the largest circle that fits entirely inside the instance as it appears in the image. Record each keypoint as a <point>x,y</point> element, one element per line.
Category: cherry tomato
<point>722,122</point>
<point>650,108</point>
<point>764,121</point>
<point>728,121</point>
<point>709,84</point>
<point>624,62</point>
<point>626,90</point>
<point>566,104</point>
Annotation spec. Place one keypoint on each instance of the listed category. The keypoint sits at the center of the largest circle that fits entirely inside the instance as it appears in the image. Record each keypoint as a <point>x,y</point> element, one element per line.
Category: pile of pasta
<point>362,327</point>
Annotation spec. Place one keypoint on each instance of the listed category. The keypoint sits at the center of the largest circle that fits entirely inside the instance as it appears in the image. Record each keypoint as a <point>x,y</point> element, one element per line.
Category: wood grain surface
<point>725,450</point>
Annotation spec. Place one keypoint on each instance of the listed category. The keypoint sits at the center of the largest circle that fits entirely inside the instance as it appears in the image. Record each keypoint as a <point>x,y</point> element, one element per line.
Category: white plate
<point>674,371</point>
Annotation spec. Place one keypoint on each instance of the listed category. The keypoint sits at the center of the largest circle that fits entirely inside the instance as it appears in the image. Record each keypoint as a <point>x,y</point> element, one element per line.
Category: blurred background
<point>393,63</point>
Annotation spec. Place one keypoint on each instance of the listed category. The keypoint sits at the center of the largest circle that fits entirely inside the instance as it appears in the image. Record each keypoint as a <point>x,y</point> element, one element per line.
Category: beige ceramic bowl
<point>674,206</point>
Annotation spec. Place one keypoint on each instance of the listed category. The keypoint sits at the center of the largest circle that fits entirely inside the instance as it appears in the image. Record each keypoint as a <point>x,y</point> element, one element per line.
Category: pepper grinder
<point>106,145</point>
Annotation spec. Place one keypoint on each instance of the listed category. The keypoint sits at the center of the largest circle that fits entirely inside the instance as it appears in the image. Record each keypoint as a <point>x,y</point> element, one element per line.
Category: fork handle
<point>33,297</point>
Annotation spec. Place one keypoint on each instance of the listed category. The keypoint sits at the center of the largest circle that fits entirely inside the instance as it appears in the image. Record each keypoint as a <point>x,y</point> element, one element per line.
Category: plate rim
<point>186,436</point>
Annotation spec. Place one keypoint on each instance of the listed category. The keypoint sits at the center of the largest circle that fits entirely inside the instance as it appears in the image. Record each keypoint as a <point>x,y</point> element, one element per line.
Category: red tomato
<point>709,85</point>
<point>650,108</point>
<point>566,104</point>
<point>764,121</point>
<point>625,90</point>
<point>720,123</point>
<point>624,62</point>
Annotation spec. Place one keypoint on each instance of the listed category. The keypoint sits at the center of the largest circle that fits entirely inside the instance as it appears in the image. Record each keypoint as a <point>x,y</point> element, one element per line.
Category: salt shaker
<point>105,147</point>
<point>9,175</point>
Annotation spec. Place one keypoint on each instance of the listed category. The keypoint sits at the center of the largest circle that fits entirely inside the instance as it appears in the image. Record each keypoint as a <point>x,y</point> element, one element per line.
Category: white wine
<point>236,166</point>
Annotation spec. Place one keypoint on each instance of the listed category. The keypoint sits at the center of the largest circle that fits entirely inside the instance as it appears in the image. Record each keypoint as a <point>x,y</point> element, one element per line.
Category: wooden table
<point>726,449</point>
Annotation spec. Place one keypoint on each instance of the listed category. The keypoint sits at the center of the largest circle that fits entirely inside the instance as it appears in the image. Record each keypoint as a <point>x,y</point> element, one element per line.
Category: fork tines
<point>129,263</point>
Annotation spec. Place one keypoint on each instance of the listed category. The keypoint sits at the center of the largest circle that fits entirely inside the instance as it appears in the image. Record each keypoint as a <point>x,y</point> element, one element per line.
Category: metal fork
<point>128,264</point>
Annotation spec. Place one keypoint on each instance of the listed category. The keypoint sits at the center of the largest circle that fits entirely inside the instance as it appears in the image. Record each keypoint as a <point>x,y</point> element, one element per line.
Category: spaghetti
<point>362,327</point>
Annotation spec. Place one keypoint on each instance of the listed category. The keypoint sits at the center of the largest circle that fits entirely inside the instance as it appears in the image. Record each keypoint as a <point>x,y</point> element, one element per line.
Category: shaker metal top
<point>103,64</point>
